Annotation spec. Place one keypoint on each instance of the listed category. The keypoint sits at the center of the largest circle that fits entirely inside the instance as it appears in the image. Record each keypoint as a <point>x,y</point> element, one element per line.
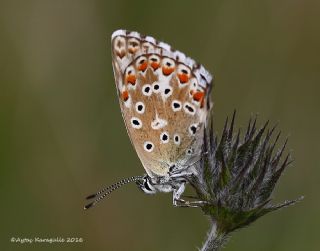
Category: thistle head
<point>238,174</point>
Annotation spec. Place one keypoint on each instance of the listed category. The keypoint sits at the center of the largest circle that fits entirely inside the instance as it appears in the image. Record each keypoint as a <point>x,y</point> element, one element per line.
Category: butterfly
<point>164,98</point>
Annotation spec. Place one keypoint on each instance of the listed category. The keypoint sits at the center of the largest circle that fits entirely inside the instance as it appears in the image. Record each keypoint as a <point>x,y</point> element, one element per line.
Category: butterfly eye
<point>148,146</point>
<point>171,168</point>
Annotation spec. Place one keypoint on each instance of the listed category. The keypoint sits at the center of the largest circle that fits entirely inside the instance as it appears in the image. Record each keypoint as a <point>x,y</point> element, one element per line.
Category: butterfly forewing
<point>163,98</point>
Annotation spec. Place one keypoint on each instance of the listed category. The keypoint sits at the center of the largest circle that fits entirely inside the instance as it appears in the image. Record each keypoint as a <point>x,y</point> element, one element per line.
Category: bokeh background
<point>62,136</point>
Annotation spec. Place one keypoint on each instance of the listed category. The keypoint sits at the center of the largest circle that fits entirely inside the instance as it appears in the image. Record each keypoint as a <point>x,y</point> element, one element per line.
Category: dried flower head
<point>237,176</point>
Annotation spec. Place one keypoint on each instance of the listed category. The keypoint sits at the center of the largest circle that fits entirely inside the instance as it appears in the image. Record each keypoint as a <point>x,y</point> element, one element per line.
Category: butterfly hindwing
<point>164,99</point>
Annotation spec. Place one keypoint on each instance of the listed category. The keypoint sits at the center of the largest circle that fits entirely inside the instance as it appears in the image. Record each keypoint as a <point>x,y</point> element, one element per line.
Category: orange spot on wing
<point>198,96</point>
<point>143,66</point>
<point>125,95</point>
<point>154,65</point>
<point>131,79</point>
<point>183,78</point>
<point>167,71</point>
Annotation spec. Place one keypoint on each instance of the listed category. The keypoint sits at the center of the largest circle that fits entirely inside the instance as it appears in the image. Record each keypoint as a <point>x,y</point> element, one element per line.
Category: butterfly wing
<point>164,98</point>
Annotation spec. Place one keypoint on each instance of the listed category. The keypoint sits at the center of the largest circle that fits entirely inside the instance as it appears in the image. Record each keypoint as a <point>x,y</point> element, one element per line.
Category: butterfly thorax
<point>152,185</point>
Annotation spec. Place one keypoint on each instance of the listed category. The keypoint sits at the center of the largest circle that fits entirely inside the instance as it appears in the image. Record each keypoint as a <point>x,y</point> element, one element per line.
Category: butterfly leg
<point>181,174</point>
<point>177,192</point>
<point>183,203</point>
<point>178,202</point>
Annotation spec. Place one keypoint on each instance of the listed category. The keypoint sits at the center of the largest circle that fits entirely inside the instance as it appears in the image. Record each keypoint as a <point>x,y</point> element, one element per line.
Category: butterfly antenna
<point>107,190</point>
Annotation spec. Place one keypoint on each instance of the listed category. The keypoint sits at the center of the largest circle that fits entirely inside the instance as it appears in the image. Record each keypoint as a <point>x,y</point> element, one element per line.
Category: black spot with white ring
<point>164,137</point>
<point>189,151</point>
<point>156,87</point>
<point>188,108</point>
<point>167,92</point>
<point>176,139</point>
<point>193,129</point>
<point>140,107</point>
<point>136,123</point>
<point>148,146</point>
<point>146,90</point>
<point>176,105</point>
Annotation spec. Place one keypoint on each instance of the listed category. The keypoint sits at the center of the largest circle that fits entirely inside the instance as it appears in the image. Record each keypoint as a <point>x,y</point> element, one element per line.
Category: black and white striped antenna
<point>107,190</point>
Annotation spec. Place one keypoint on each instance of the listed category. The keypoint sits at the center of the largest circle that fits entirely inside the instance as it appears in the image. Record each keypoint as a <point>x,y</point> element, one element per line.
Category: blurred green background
<point>62,136</point>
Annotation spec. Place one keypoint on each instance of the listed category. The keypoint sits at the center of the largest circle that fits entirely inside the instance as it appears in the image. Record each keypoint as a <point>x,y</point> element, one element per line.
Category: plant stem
<point>215,240</point>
